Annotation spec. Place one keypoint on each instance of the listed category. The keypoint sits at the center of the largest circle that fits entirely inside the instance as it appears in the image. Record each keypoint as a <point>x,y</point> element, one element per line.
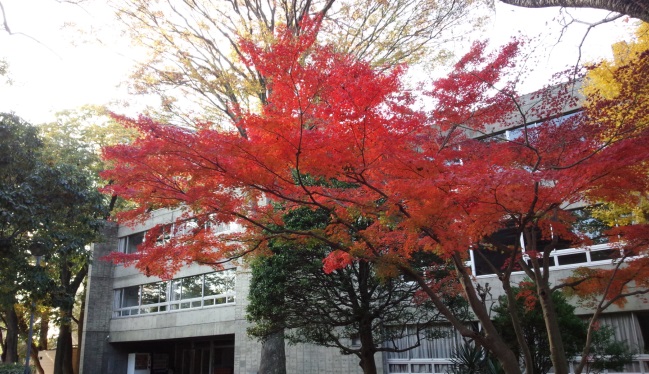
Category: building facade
<point>193,324</point>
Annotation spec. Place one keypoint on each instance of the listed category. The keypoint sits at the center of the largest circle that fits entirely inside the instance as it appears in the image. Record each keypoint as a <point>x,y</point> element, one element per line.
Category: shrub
<point>14,369</point>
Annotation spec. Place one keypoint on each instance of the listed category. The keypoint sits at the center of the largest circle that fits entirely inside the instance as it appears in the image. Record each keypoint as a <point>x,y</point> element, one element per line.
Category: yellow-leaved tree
<point>609,80</point>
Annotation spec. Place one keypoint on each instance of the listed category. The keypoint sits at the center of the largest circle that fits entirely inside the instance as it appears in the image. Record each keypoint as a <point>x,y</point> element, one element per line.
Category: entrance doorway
<point>205,357</point>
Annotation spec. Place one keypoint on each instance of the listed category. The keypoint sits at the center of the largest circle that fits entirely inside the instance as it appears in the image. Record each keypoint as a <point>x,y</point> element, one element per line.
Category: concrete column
<point>98,356</point>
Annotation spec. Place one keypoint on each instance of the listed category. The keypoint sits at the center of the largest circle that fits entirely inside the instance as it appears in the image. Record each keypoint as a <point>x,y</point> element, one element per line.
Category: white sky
<point>70,67</point>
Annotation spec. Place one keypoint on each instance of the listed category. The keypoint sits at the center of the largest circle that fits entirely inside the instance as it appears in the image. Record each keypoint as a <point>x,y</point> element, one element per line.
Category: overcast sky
<point>74,55</point>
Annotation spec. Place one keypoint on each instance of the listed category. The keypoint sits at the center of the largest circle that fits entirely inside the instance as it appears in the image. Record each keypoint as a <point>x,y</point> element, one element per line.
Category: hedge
<point>14,369</point>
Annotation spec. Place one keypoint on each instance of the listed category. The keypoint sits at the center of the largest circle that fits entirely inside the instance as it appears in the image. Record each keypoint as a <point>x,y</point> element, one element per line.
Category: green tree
<point>19,152</point>
<point>573,329</point>
<point>290,290</point>
<point>49,209</point>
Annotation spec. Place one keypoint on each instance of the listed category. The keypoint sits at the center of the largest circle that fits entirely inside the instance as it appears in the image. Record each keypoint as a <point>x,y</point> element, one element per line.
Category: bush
<point>14,369</point>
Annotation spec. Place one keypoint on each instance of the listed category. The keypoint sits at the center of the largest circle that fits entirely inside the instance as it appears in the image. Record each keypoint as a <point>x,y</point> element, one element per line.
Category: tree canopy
<point>289,290</point>
<point>195,63</point>
<point>338,135</point>
<point>49,209</point>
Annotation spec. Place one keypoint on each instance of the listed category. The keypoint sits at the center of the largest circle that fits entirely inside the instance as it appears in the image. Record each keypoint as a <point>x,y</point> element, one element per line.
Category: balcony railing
<point>169,306</point>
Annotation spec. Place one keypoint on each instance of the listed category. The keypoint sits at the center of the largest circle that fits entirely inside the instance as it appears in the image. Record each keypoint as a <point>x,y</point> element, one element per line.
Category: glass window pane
<point>398,368</point>
<point>150,293</point>
<point>576,258</point>
<point>131,296</point>
<point>192,287</point>
<point>117,298</point>
<point>603,255</point>
<point>219,282</point>
<point>422,368</point>
<point>163,291</point>
<point>176,289</point>
<point>133,241</point>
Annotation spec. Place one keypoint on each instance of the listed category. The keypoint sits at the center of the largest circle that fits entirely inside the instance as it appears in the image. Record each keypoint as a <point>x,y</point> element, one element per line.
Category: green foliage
<point>573,329</point>
<point>608,353</point>
<point>471,359</point>
<point>14,369</point>
<point>289,289</point>
<point>50,208</point>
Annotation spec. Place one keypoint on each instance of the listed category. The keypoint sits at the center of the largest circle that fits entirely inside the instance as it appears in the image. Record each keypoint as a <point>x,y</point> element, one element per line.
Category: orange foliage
<point>340,136</point>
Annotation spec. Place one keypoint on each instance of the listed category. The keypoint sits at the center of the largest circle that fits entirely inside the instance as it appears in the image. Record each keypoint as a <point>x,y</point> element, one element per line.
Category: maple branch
<point>231,258</point>
<point>440,305</point>
<point>571,284</point>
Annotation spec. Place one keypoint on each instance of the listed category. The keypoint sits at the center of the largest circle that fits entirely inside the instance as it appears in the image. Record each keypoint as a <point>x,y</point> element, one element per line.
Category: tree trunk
<point>491,340</point>
<point>11,354</point>
<point>273,354</point>
<point>557,353</point>
<point>3,346</point>
<point>44,330</point>
<point>63,357</point>
<point>367,348</point>
<point>35,360</point>
<point>518,327</point>
<point>635,9</point>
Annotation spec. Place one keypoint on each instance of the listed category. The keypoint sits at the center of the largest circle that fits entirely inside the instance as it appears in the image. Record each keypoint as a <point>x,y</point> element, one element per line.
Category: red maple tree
<point>340,136</point>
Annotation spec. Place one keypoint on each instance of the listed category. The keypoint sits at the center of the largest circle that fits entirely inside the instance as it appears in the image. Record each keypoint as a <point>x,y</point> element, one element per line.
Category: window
<point>503,241</point>
<point>128,299</point>
<point>433,355</point>
<point>565,252</point>
<point>187,292</point>
<point>198,291</point>
<point>154,296</point>
<point>128,244</point>
<point>516,134</point>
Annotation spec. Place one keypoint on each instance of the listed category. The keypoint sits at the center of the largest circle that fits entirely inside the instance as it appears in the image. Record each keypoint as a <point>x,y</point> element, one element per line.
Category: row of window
<point>435,352</point>
<point>129,244</point>
<point>564,252</point>
<point>198,291</point>
<point>603,253</point>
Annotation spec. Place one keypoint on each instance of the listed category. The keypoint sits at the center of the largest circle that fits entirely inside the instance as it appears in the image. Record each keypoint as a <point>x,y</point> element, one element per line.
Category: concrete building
<point>194,324</point>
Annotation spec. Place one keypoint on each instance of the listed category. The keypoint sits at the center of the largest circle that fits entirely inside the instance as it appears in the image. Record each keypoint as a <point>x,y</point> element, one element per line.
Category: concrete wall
<point>97,355</point>
<point>105,337</point>
<point>557,275</point>
<point>301,358</point>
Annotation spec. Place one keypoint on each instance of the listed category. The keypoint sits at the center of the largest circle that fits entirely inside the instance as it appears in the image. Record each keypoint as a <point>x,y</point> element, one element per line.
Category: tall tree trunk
<point>518,327</point>
<point>273,354</point>
<point>557,352</point>
<point>11,341</point>
<point>367,348</point>
<point>63,357</point>
<point>70,283</point>
<point>44,330</point>
<point>491,340</point>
